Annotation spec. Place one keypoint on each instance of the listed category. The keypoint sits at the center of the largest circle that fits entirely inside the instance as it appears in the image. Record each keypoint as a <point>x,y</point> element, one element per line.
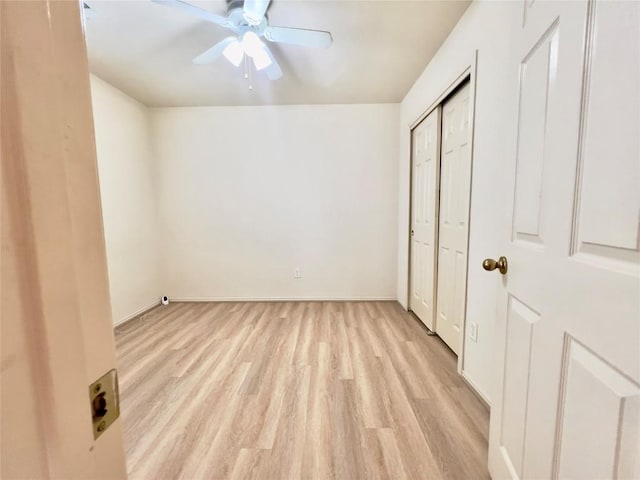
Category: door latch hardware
<point>104,400</point>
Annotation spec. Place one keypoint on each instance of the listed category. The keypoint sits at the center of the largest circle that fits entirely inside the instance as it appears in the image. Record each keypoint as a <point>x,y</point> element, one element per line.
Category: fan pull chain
<point>247,71</point>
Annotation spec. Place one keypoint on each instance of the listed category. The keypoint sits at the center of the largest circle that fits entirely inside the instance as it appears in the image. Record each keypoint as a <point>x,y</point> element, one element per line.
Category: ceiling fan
<point>248,21</point>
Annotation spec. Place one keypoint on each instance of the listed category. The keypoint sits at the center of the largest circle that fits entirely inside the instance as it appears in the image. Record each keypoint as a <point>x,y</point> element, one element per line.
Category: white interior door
<point>568,404</point>
<point>455,182</point>
<point>57,335</point>
<point>425,159</point>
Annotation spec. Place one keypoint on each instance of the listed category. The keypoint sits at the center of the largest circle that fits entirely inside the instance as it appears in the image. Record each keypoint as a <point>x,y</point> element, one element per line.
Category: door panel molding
<point>612,403</point>
<point>521,320</point>
<point>531,137</point>
<point>603,234</point>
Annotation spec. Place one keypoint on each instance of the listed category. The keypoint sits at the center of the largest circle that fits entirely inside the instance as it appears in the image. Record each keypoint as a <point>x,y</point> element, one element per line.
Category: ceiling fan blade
<point>214,52</point>
<point>298,36</point>
<point>254,10</point>
<point>273,71</point>
<point>197,11</point>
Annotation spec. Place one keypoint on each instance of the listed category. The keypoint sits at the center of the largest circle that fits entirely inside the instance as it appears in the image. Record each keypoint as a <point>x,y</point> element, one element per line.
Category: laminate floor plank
<point>294,390</point>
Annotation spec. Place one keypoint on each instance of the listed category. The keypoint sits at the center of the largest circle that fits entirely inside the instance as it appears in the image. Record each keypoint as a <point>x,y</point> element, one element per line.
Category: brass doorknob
<point>490,264</point>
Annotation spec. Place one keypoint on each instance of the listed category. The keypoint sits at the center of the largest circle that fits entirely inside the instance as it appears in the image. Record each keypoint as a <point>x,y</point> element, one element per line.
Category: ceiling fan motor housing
<point>235,13</point>
<point>233,4</point>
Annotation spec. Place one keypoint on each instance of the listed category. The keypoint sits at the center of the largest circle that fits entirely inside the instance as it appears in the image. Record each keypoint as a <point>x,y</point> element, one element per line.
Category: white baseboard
<point>479,393</point>
<point>281,299</point>
<point>253,299</point>
<point>137,313</point>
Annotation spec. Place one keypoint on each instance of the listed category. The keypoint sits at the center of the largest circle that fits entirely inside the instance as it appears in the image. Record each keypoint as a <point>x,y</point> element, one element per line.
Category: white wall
<point>485,26</point>
<point>250,193</point>
<point>126,171</point>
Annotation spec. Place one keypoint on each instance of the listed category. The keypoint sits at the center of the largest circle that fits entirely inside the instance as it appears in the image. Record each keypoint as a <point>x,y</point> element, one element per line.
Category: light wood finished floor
<point>344,390</point>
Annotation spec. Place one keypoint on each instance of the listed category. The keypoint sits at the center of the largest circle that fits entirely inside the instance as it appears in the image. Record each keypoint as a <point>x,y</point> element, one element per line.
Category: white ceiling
<point>379,49</point>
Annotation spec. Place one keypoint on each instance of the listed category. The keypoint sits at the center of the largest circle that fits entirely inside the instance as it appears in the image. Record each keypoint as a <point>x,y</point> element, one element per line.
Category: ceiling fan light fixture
<point>255,49</point>
<point>234,52</point>
<point>261,59</point>
<point>252,44</point>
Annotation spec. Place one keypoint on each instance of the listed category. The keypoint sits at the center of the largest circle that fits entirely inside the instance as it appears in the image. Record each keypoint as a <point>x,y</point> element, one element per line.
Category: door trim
<point>468,72</point>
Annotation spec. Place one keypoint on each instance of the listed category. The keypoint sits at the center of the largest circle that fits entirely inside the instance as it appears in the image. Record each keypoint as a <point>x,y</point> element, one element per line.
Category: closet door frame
<point>467,73</point>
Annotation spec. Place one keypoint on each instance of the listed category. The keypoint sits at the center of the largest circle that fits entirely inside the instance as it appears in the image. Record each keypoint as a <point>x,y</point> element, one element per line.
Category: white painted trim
<point>283,299</point>
<point>479,393</point>
<point>473,72</point>
<point>460,79</point>
<point>137,313</point>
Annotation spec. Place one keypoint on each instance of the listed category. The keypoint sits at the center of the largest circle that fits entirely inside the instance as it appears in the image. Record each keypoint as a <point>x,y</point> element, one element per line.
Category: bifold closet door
<point>425,172</point>
<point>455,177</point>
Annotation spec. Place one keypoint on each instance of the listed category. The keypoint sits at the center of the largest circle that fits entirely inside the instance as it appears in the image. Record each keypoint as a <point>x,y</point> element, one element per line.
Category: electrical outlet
<point>473,332</point>
<point>297,273</point>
